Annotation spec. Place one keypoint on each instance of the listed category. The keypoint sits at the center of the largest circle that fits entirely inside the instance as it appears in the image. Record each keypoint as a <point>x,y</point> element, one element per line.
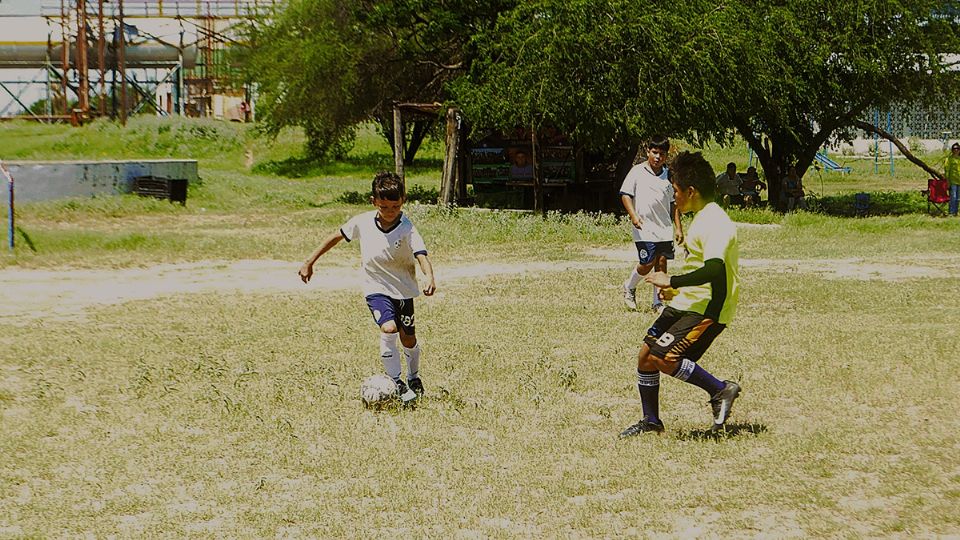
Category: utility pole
<point>64,57</point>
<point>102,61</point>
<point>123,70</point>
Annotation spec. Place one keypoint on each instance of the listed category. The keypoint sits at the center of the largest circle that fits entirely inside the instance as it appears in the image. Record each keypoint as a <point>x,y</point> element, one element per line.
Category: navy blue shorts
<point>383,308</point>
<point>649,251</point>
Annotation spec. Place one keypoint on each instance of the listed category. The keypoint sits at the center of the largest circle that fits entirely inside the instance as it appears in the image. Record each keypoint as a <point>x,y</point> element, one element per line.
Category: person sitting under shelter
<point>791,190</point>
<point>750,187</point>
<point>728,186</point>
<point>521,167</point>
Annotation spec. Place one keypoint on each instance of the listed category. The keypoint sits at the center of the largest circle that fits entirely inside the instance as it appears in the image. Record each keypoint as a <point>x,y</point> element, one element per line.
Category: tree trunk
<point>776,152</point>
<point>772,164</point>
<point>866,126</point>
<point>398,141</point>
<point>448,188</point>
<point>417,135</point>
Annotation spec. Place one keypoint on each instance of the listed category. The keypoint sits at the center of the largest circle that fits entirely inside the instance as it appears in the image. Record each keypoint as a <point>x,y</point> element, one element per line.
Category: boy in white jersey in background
<point>389,245</point>
<point>705,301</point>
<point>647,196</point>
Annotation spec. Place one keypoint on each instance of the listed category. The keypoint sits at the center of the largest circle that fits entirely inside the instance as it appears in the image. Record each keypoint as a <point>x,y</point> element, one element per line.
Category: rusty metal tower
<point>95,52</point>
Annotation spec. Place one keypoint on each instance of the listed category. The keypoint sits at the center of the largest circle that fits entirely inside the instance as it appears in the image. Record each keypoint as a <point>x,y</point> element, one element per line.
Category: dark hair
<point>388,186</point>
<point>731,165</point>
<point>661,142</point>
<point>693,170</point>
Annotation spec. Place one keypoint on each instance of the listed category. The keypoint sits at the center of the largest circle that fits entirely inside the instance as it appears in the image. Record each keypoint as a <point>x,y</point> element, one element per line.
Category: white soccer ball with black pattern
<point>377,391</point>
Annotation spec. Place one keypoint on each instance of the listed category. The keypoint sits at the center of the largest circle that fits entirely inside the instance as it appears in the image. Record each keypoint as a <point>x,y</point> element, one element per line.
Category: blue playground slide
<point>829,164</point>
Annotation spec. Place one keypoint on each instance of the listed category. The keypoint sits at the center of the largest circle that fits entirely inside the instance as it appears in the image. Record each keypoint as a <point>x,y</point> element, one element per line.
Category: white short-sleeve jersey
<point>652,196</point>
<point>388,257</point>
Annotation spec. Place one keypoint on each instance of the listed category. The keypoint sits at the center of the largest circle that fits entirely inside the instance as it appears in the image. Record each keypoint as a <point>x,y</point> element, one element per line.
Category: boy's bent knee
<point>660,364</point>
<point>408,341</point>
<point>389,327</point>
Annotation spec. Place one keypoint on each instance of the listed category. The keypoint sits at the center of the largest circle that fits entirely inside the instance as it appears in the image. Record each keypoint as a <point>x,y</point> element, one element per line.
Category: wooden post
<point>12,223</point>
<point>537,173</point>
<point>448,183</point>
<point>83,67</point>
<point>398,141</point>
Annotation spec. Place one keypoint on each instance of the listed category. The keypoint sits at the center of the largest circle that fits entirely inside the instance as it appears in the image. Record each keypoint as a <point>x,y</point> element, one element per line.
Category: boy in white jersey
<point>389,245</point>
<point>705,301</point>
<point>647,196</point>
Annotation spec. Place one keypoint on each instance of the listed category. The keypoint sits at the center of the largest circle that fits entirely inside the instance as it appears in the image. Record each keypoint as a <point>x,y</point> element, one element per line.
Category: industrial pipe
<point>35,55</point>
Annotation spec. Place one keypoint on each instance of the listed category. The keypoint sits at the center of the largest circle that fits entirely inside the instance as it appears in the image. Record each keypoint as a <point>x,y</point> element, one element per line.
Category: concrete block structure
<point>46,180</point>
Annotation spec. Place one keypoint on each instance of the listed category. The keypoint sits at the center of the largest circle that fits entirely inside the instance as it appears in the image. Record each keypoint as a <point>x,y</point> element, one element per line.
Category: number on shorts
<point>666,339</point>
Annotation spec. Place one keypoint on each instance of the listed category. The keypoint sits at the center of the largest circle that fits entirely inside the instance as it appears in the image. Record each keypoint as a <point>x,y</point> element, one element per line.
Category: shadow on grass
<point>881,203</point>
<point>363,165</point>
<point>730,431</point>
<point>27,239</point>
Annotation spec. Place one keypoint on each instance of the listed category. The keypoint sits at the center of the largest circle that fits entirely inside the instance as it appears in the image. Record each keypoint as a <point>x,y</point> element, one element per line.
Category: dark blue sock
<point>694,374</point>
<point>648,383</point>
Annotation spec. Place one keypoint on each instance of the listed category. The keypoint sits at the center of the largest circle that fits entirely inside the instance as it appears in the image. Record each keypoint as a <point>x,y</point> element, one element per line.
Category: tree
<point>327,65</point>
<point>817,68</point>
<point>787,75</point>
<point>305,59</point>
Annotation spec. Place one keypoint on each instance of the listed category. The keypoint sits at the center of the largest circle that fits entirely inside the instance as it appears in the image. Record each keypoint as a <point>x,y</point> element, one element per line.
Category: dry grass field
<point>164,374</point>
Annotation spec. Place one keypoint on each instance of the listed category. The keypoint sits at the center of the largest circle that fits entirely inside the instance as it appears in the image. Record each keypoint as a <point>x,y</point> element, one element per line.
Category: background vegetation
<point>785,76</point>
<point>238,415</point>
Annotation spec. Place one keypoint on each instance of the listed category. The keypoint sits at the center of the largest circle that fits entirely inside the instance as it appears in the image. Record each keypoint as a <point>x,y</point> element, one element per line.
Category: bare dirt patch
<point>64,294</point>
<point>31,294</point>
<point>890,269</point>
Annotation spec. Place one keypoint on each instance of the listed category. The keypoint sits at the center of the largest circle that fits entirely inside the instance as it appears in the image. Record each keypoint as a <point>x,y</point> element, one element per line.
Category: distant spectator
<point>791,190</point>
<point>521,167</point>
<point>952,169</point>
<point>728,186</point>
<point>750,187</point>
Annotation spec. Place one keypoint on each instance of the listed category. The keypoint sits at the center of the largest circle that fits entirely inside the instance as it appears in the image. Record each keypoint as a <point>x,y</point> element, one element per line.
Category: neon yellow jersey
<point>711,235</point>
<point>953,169</point>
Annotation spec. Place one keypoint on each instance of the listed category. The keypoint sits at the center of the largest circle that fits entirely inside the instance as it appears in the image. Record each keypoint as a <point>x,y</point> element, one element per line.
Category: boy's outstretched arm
<point>431,286</point>
<point>711,269</point>
<point>306,271</point>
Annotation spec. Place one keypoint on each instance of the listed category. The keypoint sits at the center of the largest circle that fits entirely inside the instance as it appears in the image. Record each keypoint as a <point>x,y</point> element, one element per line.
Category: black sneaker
<point>723,402</point>
<point>416,385</point>
<point>643,426</point>
<point>405,394</point>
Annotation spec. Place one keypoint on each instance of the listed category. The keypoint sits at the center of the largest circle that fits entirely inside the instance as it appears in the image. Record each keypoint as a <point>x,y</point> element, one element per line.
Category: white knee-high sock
<point>389,355</point>
<point>633,280</point>
<point>413,361</point>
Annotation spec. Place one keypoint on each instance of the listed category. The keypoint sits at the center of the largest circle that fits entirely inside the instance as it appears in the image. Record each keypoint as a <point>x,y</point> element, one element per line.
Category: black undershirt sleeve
<point>711,269</point>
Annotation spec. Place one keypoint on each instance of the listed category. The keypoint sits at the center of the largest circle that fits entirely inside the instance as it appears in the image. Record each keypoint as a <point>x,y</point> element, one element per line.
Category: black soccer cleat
<point>416,385</point>
<point>722,403</point>
<point>405,394</point>
<point>643,426</point>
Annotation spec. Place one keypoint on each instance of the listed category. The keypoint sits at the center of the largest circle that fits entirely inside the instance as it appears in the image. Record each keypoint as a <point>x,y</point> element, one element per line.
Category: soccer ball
<point>377,391</point>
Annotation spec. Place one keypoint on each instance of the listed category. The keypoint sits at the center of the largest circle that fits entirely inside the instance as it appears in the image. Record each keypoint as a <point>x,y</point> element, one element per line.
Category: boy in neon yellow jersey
<point>706,302</point>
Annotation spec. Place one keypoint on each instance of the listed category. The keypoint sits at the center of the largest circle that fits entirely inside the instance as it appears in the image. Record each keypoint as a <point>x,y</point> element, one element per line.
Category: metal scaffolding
<point>97,62</point>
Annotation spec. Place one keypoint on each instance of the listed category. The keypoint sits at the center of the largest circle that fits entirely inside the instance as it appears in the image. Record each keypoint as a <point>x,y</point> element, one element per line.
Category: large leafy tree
<point>327,65</point>
<point>816,68</point>
<point>787,75</point>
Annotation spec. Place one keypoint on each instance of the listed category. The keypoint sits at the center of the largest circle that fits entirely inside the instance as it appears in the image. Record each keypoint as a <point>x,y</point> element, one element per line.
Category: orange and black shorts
<point>676,335</point>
